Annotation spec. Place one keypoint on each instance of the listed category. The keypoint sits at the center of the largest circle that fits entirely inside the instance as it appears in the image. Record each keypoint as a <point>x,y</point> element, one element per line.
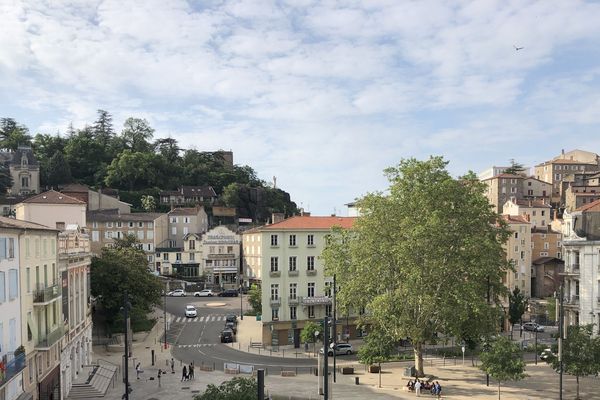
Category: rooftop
<point>6,222</point>
<point>114,215</point>
<point>593,206</point>
<point>184,211</point>
<point>310,222</point>
<point>514,219</point>
<point>53,197</point>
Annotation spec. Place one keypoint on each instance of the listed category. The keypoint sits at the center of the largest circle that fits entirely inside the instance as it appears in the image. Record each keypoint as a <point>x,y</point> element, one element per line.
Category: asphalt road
<point>197,339</point>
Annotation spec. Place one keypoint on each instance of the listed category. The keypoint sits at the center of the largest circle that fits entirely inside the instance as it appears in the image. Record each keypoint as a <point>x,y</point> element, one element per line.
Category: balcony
<point>293,272</point>
<point>572,301</point>
<point>275,301</point>
<point>316,301</point>
<point>44,296</point>
<point>292,301</point>
<point>274,274</point>
<point>12,366</point>
<point>46,341</point>
<point>311,272</point>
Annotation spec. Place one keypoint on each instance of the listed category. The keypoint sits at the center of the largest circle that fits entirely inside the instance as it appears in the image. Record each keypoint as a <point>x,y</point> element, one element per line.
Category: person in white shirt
<point>418,387</point>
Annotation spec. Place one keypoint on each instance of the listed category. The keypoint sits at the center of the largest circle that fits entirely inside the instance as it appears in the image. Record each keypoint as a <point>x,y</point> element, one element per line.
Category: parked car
<point>229,293</point>
<point>231,325</point>
<point>533,327</point>
<point>204,293</point>
<point>341,348</point>
<point>176,293</point>
<point>231,318</point>
<point>226,336</point>
<point>190,311</point>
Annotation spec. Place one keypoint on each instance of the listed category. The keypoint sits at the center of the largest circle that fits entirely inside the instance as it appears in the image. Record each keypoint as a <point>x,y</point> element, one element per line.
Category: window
<point>140,235</point>
<point>150,234</point>
<point>310,263</point>
<point>2,248</point>
<point>293,314</point>
<point>557,177</point>
<point>293,240</point>
<point>11,247</point>
<point>275,314</point>
<point>131,224</point>
<point>274,240</point>
<point>119,224</point>
<point>311,311</point>
<point>165,256</point>
<point>150,247</point>
<point>229,249</point>
<point>292,263</point>
<point>513,190</point>
<point>174,230</point>
<point>2,288</point>
<point>522,255</point>
<point>558,255</point>
<point>310,240</point>
<point>178,256</point>
<point>25,181</point>
<point>192,256</point>
<point>516,249</point>
<point>13,284</point>
<point>95,236</point>
<point>516,235</point>
<point>109,224</point>
<point>293,288</point>
<point>186,220</point>
<point>150,258</point>
<point>311,289</point>
<point>274,291</point>
<point>140,224</point>
<point>546,245</point>
<point>274,264</point>
<point>192,244</point>
<point>28,279</point>
<point>328,309</point>
<point>150,225</point>
<point>108,234</point>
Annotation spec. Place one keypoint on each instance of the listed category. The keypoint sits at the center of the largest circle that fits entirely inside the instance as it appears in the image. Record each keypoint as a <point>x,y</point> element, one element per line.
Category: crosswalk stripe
<point>201,319</point>
<point>195,319</point>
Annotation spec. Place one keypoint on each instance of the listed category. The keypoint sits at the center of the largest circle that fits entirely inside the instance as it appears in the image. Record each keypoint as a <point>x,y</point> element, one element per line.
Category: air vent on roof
<point>44,197</point>
<point>60,197</point>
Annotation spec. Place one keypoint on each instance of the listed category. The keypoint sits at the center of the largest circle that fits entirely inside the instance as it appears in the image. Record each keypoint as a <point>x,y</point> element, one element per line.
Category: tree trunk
<point>498,390</point>
<point>418,350</point>
<point>380,376</point>
<point>577,378</point>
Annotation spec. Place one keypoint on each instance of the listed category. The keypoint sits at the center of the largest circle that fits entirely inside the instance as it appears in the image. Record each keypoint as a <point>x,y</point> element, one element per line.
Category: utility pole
<point>561,317</point>
<point>334,326</point>
<point>125,309</point>
<point>326,359</point>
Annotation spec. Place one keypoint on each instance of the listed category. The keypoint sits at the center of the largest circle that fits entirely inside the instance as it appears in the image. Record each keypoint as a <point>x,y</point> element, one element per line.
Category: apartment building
<point>547,263</point>
<point>188,195</point>
<point>182,262</point>
<point>491,172</point>
<point>24,170</point>
<point>536,189</point>
<point>95,200</point>
<point>150,229</point>
<point>501,188</point>
<point>12,356</point>
<point>295,288</point>
<point>518,251</point>
<point>580,189</point>
<point>53,209</point>
<point>252,255</point>
<point>75,259</point>
<point>221,257</point>
<point>581,248</point>
<point>537,212</point>
<point>183,221</point>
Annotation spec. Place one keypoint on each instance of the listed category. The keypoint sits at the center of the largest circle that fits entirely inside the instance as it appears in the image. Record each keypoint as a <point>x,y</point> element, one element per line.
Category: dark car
<point>231,318</point>
<point>229,293</point>
<point>226,336</point>
<point>231,325</point>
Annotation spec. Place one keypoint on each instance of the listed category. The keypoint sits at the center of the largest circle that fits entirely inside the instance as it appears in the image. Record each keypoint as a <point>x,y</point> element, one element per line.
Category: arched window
<point>23,160</point>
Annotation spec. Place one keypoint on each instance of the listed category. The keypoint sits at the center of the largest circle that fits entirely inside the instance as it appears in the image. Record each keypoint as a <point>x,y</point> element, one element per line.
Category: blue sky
<point>323,95</point>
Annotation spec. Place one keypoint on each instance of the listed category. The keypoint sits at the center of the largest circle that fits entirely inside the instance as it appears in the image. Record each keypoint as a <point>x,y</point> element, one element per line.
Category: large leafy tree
<point>423,256</point>
<point>120,268</point>
<point>44,147</point>
<point>58,170</point>
<point>82,152</point>
<point>137,134</point>
<point>309,332</point>
<point>580,353</point>
<point>6,180</point>
<point>132,170</point>
<point>515,168</point>
<point>13,134</point>
<point>517,304</point>
<point>238,388</point>
<point>503,361</point>
<point>255,299</point>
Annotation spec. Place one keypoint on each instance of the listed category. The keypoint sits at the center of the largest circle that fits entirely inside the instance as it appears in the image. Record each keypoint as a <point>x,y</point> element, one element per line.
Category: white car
<point>204,293</point>
<point>190,311</point>
<point>177,293</point>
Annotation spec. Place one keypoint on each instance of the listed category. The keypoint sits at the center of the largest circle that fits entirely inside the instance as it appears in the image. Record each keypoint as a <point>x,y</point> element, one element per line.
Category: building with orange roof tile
<point>295,288</point>
<point>537,212</point>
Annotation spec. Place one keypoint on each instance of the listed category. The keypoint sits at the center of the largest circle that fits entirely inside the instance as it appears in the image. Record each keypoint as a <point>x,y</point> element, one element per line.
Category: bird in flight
<point>518,48</point>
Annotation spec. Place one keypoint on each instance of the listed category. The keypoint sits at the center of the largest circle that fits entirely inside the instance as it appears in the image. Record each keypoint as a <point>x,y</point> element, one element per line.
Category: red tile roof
<point>53,197</point>
<point>514,219</point>
<point>184,211</point>
<point>505,176</point>
<point>532,203</point>
<point>310,222</point>
<point>593,206</point>
<point>6,222</point>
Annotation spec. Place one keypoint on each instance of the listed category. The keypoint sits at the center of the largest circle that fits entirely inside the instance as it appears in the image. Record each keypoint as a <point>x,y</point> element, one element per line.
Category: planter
<point>374,369</point>
<point>347,370</point>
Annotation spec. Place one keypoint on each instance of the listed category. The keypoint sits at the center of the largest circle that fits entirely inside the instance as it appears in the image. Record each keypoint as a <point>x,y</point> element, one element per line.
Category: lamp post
<point>318,364</point>
<point>126,307</point>
<point>334,338</point>
<point>241,281</point>
<point>561,313</point>
<point>536,349</point>
<point>165,311</point>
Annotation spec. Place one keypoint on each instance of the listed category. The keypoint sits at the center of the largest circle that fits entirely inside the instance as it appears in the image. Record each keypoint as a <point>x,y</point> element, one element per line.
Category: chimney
<point>277,217</point>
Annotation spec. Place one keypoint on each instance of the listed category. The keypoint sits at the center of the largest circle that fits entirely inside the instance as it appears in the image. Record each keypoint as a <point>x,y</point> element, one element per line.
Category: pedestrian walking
<point>159,374</point>
<point>418,387</point>
<point>137,371</point>
<point>191,370</point>
<point>184,374</point>
<point>172,366</point>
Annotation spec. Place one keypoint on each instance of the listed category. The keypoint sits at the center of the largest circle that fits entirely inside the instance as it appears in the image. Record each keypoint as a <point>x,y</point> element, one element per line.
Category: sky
<point>323,95</point>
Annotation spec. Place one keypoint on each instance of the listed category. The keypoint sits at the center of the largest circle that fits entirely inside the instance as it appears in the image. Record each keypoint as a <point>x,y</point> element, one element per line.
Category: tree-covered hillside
<point>135,161</point>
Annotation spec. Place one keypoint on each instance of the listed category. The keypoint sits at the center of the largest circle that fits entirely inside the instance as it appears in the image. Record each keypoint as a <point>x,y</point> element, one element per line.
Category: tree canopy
<point>503,361</point>
<point>238,388</point>
<point>517,304</point>
<point>423,256</point>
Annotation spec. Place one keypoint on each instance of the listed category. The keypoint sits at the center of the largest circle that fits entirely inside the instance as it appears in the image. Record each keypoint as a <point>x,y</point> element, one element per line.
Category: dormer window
<point>24,161</point>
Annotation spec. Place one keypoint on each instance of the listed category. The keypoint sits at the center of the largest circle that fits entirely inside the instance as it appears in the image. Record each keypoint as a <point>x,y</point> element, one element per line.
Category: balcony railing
<point>44,295</point>
<point>316,301</point>
<point>293,300</point>
<point>47,340</point>
<point>275,301</point>
<point>573,299</point>
<point>274,274</point>
<point>311,272</point>
<point>12,365</point>
<point>293,272</point>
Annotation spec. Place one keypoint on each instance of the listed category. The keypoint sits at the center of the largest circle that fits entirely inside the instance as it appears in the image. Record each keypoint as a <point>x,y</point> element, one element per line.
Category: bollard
<point>152,351</point>
<point>356,381</point>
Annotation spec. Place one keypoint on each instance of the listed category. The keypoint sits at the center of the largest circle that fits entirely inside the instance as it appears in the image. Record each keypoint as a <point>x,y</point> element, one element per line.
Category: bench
<point>231,371</point>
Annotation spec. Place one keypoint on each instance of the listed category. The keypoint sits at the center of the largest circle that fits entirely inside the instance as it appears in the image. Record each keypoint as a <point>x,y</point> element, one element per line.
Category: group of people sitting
<point>419,387</point>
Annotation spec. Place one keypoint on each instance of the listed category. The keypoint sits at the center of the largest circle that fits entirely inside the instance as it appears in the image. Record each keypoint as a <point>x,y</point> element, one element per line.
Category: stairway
<point>96,385</point>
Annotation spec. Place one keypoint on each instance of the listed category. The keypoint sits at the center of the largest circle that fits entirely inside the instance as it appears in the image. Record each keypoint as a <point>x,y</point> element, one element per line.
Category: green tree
<point>131,170</point>
<point>44,147</point>
<point>421,256</point>
<point>517,304</point>
<point>58,170</point>
<point>378,348</point>
<point>255,298</point>
<point>137,134</point>
<point>82,152</point>
<point>120,268</point>
<point>103,129</point>
<point>13,134</point>
<point>580,353</point>
<point>503,361</point>
<point>238,388</point>
<point>308,333</point>
<point>551,308</point>
<point>149,203</point>
<point>515,168</point>
<point>6,180</point>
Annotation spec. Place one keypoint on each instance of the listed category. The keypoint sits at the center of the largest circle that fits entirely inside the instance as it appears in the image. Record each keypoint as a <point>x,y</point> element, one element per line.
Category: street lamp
<point>125,309</point>
<point>318,363</point>
<point>241,282</point>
